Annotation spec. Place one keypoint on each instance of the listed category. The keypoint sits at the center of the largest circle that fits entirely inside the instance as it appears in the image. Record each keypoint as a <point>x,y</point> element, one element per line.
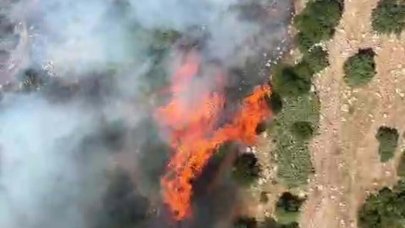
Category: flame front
<point>191,121</point>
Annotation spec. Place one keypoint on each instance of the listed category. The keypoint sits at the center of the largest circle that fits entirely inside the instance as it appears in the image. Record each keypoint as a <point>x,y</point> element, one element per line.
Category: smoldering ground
<point>83,83</point>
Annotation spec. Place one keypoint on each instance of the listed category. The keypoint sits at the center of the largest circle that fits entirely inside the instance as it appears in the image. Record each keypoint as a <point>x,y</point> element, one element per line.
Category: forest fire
<point>191,120</point>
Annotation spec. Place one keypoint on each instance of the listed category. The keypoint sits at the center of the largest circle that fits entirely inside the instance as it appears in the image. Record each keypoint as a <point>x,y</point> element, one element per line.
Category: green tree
<point>245,222</point>
<point>388,139</point>
<point>302,130</point>
<point>271,223</point>
<point>287,81</point>
<point>317,22</point>
<point>389,17</point>
<point>287,208</point>
<point>317,59</point>
<point>275,102</point>
<point>383,210</point>
<point>304,42</point>
<point>246,169</point>
<point>360,68</point>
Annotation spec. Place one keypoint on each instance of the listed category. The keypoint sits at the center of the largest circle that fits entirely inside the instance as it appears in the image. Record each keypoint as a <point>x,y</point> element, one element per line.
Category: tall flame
<point>191,121</point>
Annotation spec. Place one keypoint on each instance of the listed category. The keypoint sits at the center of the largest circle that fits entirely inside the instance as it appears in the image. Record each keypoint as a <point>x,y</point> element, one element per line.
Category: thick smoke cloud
<point>91,110</point>
<point>43,183</point>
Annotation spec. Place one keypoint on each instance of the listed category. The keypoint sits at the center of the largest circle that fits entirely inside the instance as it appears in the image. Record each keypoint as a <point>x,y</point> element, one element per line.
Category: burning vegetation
<point>150,89</point>
<point>195,131</point>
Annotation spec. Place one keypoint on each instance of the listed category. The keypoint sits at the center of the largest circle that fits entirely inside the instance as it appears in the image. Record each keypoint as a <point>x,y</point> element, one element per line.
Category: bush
<point>288,81</point>
<point>385,209</point>
<point>246,169</point>
<point>271,223</point>
<point>33,79</point>
<point>304,43</point>
<point>389,17</point>
<point>287,208</point>
<point>302,130</point>
<point>401,166</point>
<point>275,102</point>
<point>388,139</point>
<point>317,59</point>
<point>360,68</point>
<point>317,22</point>
<point>245,222</point>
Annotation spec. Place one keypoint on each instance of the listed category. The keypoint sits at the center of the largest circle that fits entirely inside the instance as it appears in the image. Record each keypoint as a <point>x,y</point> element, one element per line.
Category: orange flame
<point>193,132</point>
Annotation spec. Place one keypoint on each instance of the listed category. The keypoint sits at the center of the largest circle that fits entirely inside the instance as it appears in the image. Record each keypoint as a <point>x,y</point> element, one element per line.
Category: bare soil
<point>344,153</point>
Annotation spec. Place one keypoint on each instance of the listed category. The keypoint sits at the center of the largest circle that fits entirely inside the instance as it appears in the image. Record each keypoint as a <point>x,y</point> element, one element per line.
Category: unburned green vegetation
<point>317,22</point>
<point>248,222</point>
<point>287,208</point>
<point>360,68</point>
<point>246,169</point>
<point>292,153</point>
<point>317,59</point>
<point>288,81</point>
<point>389,17</point>
<point>297,105</point>
<point>384,209</point>
<point>388,139</point>
<point>302,130</point>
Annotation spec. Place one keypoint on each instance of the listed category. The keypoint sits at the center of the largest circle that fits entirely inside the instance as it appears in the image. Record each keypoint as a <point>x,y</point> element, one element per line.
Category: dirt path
<point>345,151</point>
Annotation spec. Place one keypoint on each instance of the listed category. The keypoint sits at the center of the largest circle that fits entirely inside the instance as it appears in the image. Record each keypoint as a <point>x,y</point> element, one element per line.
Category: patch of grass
<point>389,17</point>
<point>360,68</point>
<point>388,139</point>
<point>292,154</point>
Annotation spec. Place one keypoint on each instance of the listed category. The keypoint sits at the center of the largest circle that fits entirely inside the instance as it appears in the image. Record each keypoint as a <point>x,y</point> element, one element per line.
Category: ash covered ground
<point>79,146</point>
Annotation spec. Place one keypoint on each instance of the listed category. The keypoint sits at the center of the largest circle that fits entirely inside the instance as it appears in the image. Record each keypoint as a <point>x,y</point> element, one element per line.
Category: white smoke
<point>45,181</point>
<point>42,180</point>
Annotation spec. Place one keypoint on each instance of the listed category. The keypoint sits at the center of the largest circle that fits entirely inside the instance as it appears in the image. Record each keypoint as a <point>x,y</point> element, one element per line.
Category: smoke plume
<point>79,83</point>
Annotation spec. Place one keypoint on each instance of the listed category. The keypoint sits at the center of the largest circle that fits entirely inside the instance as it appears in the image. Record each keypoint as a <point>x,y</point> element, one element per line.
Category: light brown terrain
<point>344,153</point>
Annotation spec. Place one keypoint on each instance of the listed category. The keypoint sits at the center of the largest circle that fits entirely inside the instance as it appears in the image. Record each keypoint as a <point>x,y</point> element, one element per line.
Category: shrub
<point>317,59</point>
<point>33,79</point>
<point>245,222</point>
<point>360,68</point>
<point>275,102</point>
<point>317,22</point>
<point>287,208</point>
<point>389,17</point>
<point>385,209</point>
<point>304,43</point>
<point>388,139</point>
<point>246,169</point>
<point>302,130</point>
<point>271,223</point>
<point>288,82</point>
